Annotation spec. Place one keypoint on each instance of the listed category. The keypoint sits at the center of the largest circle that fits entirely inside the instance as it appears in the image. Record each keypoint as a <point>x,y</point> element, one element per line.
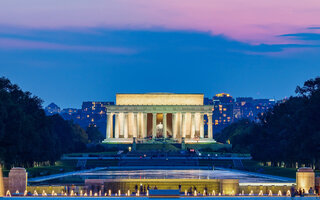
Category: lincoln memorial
<point>158,117</point>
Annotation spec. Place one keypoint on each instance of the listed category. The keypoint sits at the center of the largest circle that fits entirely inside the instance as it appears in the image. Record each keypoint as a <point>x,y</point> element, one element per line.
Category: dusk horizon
<point>78,51</point>
<point>142,99</point>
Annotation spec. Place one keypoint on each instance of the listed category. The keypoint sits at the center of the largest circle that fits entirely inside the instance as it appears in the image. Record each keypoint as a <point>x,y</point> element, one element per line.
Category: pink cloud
<point>253,21</point>
<point>6,43</point>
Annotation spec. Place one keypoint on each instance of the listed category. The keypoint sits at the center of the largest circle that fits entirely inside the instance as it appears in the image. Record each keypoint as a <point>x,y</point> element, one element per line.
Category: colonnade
<point>134,124</point>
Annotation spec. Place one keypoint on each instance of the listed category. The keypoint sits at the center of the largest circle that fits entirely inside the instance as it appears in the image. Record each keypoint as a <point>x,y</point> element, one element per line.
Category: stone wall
<point>17,180</point>
<point>305,178</point>
<point>255,189</point>
<point>228,186</point>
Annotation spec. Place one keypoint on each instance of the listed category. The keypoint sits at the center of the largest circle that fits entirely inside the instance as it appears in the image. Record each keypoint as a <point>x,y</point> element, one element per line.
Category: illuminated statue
<point>159,128</point>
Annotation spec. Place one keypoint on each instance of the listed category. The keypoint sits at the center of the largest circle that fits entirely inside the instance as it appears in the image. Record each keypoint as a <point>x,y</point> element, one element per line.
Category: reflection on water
<point>141,198</point>
<point>178,174</point>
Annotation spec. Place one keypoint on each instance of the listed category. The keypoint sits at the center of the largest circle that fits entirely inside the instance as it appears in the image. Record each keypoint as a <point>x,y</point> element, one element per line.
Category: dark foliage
<point>94,135</point>
<point>27,135</point>
<point>289,133</point>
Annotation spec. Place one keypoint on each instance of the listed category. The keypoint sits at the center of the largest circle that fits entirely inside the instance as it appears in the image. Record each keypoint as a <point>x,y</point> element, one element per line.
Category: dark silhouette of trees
<point>27,135</point>
<point>288,133</point>
<point>94,135</point>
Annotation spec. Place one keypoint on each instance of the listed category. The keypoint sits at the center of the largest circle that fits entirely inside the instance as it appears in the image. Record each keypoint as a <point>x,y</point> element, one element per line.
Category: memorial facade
<point>159,116</point>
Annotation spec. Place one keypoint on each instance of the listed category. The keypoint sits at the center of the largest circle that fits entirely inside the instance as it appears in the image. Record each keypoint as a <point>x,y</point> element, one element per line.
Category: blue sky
<point>69,64</point>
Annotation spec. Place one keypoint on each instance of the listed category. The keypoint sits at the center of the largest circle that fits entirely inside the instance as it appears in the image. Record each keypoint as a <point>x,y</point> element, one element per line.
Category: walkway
<point>55,176</point>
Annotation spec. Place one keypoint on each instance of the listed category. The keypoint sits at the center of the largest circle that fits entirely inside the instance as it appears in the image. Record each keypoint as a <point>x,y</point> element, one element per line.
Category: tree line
<point>28,136</point>
<point>289,133</point>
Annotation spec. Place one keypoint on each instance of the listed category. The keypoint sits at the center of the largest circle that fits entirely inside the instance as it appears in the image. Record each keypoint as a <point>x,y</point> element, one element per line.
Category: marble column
<point>174,126</point>
<point>210,126</point>
<point>138,125</point>
<point>193,125</point>
<point>154,121</point>
<point>135,124</point>
<point>117,124</point>
<point>125,125</point>
<point>184,125</point>
<point>165,125</point>
<point>145,125</point>
<point>109,125</point>
<point>201,126</point>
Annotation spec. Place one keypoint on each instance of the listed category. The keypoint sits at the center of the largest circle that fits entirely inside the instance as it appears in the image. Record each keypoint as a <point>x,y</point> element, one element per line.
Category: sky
<point>72,51</point>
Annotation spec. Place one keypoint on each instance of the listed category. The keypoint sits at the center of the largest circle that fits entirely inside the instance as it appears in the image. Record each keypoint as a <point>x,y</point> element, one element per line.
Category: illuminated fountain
<point>44,194</point>
<point>35,193</point>
<point>8,194</point>
<point>25,193</point>
<point>288,193</point>
<point>279,193</point>
<point>17,192</point>
<point>251,193</point>
<point>90,193</point>
<point>81,193</point>
<point>95,194</point>
<point>85,194</point>
<point>71,193</point>
<point>110,193</point>
<point>195,193</point>
<point>213,193</point>
<point>270,192</point>
<point>128,193</point>
<point>185,193</point>
<point>260,193</point>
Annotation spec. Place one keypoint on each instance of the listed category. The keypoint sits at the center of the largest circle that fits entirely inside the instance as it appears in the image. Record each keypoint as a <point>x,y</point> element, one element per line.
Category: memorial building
<point>159,117</point>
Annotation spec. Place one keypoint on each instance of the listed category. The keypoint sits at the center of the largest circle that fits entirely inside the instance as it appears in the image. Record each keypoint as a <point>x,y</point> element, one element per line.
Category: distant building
<point>71,114</point>
<point>52,109</point>
<point>94,113</point>
<point>91,113</point>
<point>222,114</point>
<point>207,101</point>
<point>249,108</point>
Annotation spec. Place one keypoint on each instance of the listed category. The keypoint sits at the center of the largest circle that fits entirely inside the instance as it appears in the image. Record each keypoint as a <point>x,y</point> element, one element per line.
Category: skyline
<point>78,51</point>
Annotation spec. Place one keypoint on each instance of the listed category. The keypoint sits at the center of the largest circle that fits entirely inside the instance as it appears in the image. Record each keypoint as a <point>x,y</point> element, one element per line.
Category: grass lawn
<point>48,170</point>
<point>254,166</point>
<point>92,154</point>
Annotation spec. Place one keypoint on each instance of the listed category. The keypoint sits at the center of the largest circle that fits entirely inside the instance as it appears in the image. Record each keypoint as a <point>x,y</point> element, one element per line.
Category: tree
<point>287,133</point>
<point>94,135</point>
<point>27,135</point>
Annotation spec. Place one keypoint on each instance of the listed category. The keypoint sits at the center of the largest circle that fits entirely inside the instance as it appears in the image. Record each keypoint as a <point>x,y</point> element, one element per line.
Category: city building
<point>93,113</point>
<point>207,101</point>
<point>249,108</point>
<point>52,109</point>
<point>222,113</point>
<point>70,114</point>
<point>158,116</point>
